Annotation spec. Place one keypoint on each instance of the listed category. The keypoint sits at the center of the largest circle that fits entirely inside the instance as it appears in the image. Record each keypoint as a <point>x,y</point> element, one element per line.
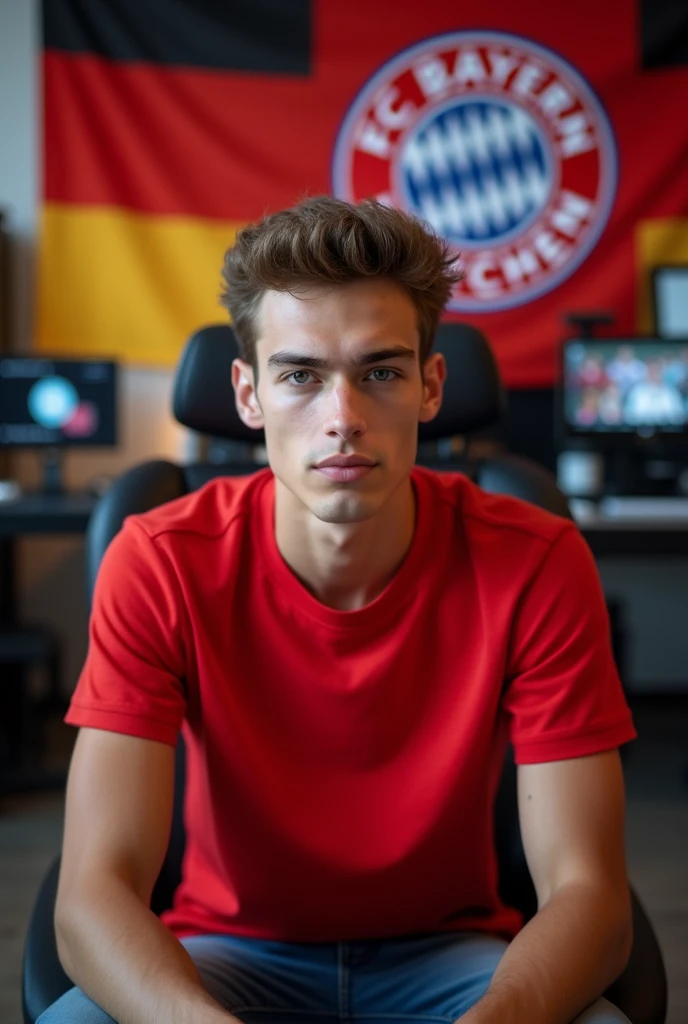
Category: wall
<point>51,569</point>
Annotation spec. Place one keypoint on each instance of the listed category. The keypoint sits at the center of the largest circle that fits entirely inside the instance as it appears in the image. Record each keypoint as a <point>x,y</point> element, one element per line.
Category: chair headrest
<point>473,396</point>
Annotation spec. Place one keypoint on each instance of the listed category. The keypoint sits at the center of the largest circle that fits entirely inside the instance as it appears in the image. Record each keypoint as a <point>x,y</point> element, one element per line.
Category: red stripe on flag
<point>185,142</point>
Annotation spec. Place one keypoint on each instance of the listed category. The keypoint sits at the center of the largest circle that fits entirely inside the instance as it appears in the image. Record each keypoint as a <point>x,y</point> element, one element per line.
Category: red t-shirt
<point>342,765</point>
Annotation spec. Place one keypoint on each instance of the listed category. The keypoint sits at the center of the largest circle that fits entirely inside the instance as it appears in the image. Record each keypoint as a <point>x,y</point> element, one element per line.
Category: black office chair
<point>203,401</point>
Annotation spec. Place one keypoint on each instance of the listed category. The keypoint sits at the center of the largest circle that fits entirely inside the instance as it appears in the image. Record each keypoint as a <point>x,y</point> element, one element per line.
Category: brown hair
<point>324,240</point>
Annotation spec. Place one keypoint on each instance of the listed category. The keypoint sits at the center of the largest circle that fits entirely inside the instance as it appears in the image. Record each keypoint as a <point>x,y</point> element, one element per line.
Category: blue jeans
<point>434,978</point>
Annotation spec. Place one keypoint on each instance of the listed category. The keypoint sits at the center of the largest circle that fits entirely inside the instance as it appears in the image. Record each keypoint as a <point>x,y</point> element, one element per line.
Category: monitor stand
<point>585,323</point>
<point>51,459</point>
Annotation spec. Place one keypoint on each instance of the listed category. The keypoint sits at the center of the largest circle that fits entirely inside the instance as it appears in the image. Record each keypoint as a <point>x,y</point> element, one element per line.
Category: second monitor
<point>625,386</point>
<point>627,400</point>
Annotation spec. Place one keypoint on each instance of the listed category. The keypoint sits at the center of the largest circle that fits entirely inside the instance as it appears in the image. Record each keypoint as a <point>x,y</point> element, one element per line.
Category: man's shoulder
<point>207,511</point>
<point>490,517</point>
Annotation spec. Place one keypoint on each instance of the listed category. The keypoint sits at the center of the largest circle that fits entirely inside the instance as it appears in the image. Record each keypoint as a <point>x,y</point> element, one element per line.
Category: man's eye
<point>307,374</point>
<point>379,369</point>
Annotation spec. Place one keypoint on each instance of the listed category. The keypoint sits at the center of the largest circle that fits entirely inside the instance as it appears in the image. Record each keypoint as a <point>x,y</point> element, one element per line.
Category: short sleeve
<point>133,678</point>
<point>563,697</point>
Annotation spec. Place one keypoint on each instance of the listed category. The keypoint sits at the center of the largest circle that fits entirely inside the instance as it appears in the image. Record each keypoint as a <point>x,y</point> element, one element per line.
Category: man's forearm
<point>128,962</point>
<point>561,961</point>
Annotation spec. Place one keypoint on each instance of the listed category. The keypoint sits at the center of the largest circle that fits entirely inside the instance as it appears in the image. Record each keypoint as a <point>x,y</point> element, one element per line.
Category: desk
<point>46,513</point>
<point>637,533</point>
<point>35,513</point>
<point>631,535</point>
<point>31,513</point>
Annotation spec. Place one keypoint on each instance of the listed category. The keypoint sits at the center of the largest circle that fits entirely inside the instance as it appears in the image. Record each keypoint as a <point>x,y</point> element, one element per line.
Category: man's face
<point>312,412</point>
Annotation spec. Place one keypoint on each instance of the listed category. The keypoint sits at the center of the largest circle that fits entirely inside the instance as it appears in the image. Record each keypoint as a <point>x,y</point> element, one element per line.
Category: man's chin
<point>341,507</point>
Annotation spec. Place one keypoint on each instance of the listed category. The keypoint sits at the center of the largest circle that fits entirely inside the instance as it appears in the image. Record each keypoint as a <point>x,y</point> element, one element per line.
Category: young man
<point>348,641</point>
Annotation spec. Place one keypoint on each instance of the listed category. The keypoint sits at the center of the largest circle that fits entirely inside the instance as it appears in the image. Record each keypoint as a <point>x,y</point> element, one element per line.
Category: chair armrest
<point>43,979</point>
<point>640,991</point>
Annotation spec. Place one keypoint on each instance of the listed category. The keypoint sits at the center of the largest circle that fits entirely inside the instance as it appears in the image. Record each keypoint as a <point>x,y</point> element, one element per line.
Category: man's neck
<point>344,566</point>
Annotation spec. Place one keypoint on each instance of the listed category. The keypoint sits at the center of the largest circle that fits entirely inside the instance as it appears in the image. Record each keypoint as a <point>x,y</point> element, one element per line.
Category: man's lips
<point>345,461</point>
<point>345,473</point>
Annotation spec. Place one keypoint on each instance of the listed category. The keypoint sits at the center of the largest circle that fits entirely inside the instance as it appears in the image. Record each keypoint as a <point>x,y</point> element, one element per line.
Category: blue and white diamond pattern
<point>477,171</point>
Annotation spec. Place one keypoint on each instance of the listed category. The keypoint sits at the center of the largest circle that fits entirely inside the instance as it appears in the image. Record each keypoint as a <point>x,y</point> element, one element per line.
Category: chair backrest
<point>473,399</point>
<point>474,396</point>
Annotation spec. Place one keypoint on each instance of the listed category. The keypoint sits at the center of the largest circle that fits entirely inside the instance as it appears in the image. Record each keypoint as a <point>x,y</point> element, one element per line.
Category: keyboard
<point>654,507</point>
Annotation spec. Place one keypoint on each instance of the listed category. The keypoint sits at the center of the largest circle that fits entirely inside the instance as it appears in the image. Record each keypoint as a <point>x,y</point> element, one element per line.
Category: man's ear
<point>435,373</point>
<point>245,395</point>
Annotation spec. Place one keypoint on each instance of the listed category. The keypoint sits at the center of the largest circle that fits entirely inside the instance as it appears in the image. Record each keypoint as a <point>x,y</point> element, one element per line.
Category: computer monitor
<point>53,404</point>
<point>624,390</point>
<point>670,301</point>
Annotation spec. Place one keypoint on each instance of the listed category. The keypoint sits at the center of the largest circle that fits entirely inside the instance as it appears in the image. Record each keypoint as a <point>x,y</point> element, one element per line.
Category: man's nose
<point>344,407</point>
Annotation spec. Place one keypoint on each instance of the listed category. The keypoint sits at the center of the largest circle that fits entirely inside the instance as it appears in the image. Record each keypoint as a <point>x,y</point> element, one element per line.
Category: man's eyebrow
<point>316,363</point>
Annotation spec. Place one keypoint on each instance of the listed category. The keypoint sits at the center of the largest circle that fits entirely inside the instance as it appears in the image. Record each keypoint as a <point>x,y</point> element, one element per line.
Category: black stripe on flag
<point>243,35</point>
<point>663,33</point>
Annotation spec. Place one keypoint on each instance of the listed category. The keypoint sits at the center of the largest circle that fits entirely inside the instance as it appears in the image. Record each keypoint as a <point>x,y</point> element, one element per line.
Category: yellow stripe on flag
<point>660,241</point>
<point>127,285</point>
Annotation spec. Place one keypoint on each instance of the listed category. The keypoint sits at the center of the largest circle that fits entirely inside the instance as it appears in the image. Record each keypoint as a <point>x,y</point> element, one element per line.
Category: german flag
<point>168,124</point>
<point>164,121</point>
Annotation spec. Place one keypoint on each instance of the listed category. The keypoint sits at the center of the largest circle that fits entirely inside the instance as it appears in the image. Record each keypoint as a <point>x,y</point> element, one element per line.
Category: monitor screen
<point>635,385</point>
<point>670,288</point>
<point>61,402</point>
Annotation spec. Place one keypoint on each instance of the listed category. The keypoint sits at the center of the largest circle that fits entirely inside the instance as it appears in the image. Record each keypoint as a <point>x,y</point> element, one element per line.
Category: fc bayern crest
<point>499,145</point>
